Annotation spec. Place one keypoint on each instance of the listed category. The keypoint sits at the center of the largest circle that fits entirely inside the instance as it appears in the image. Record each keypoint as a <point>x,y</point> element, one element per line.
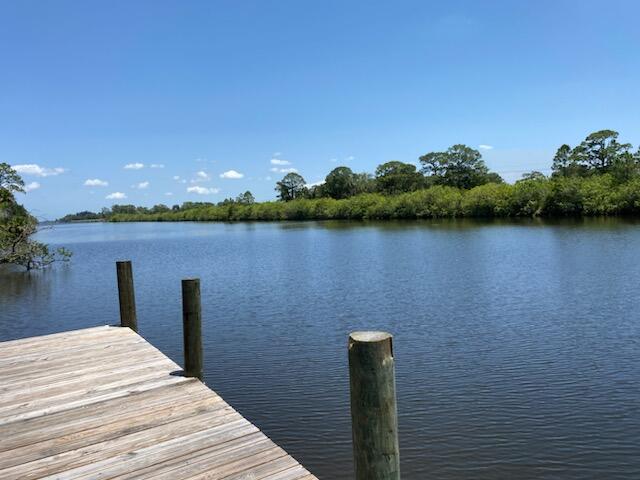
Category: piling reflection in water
<point>516,344</point>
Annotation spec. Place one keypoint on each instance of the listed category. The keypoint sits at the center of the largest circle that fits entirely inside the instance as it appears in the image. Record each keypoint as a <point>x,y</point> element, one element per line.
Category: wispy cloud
<point>485,147</point>
<point>334,160</point>
<point>116,196</point>
<point>31,186</point>
<point>231,174</point>
<point>37,171</point>
<point>134,166</point>
<point>157,165</point>
<point>142,185</point>
<point>276,154</point>
<point>202,190</point>
<point>169,194</point>
<point>278,161</point>
<point>201,176</point>
<point>283,170</point>
<point>349,158</point>
<point>95,182</point>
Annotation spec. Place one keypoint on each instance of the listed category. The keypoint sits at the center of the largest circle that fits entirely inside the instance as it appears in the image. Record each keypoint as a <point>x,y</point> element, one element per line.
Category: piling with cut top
<point>192,328</point>
<point>373,406</point>
<point>126,295</point>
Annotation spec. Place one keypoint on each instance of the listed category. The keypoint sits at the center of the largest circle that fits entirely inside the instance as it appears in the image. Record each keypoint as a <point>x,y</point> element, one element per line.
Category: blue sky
<point>87,88</point>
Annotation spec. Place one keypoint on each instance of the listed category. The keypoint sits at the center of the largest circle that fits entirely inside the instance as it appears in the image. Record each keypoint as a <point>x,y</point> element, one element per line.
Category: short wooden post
<point>192,328</point>
<point>373,406</point>
<point>126,295</point>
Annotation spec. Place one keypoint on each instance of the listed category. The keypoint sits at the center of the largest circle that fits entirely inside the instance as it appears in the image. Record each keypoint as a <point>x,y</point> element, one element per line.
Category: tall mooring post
<point>373,406</point>
<point>126,295</point>
<point>192,327</point>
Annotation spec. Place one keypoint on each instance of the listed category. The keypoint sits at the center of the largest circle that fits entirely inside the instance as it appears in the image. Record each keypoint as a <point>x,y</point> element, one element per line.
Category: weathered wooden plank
<point>294,473</point>
<point>72,383</point>
<point>74,353</point>
<point>39,339</point>
<point>214,454</point>
<point>103,403</point>
<point>38,429</point>
<point>57,341</point>
<point>101,385</point>
<point>32,371</point>
<point>141,449</point>
<point>274,466</point>
<point>117,427</point>
<point>173,465</point>
<point>90,399</point>
<point>252,467</point>
<point>116,365</point>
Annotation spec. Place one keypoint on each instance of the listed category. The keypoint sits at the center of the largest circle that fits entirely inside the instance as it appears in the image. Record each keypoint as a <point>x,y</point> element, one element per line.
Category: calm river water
<point>517,345</point>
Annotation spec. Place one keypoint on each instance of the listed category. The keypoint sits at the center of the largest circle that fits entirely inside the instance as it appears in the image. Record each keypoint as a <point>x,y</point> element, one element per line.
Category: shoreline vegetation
<point>599,177</point>
<point>18,226</point>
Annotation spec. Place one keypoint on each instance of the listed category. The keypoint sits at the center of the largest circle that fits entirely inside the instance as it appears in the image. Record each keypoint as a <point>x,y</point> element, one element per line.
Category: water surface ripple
<point>516,345</point>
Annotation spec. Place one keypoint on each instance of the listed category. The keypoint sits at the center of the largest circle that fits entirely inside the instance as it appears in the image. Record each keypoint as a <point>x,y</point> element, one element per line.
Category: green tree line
<point>600,176</point>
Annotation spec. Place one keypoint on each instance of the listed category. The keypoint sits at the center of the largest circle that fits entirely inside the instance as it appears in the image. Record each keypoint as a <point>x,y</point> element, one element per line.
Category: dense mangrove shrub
<point>556,196</point>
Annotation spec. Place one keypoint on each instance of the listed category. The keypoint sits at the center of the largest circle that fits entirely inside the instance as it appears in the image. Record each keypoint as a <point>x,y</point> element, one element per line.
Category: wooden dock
<point>102,403</point>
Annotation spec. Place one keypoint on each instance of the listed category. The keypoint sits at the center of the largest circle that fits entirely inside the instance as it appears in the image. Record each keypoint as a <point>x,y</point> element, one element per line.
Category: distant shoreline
<point>594,196</point>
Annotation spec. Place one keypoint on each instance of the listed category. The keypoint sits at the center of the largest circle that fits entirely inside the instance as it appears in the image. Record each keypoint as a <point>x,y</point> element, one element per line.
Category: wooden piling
<point>373,406</point>
<point>126,295</point>
<point>192,327</point>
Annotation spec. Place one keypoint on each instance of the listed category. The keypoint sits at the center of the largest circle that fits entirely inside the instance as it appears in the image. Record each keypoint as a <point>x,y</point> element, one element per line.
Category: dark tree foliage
<point>599,153</point>
<point>533,175</point>
<point>460,166</point>
<point>17,228</point>
<point>246,198</point>
<point>397,177</point>
<point>81,217</point>
<point>291,187</point>
<point>598,177</point>
<point>364,183</point>
<point>340,183</point>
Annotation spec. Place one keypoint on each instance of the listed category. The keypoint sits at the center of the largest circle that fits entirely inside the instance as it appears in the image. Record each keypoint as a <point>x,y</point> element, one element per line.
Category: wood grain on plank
<point>103,403</point>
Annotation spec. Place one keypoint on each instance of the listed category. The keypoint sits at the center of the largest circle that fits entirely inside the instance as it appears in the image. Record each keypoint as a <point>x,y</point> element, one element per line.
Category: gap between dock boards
<point>103,401</point>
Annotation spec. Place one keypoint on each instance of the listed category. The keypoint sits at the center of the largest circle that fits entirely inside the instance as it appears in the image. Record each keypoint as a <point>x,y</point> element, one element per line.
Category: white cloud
<point>276,154</point>
<point>169,194</point>
<point>485,147</point>
<point>231,174</point>
<point>283,170</point>
<point>201,176</point>
<point>31,186</point>
<point>176,177</point>
<point>95,182</point>
<point>349,158</point>
<point>334,160</point>
<point>142,185</point>
<point>277,161</point>
<point>157,165</point>
<point>116,196</point>
<point>267,178</point>
<point>134,166</point>
<point>37,170</point>
<point>202,190</point>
